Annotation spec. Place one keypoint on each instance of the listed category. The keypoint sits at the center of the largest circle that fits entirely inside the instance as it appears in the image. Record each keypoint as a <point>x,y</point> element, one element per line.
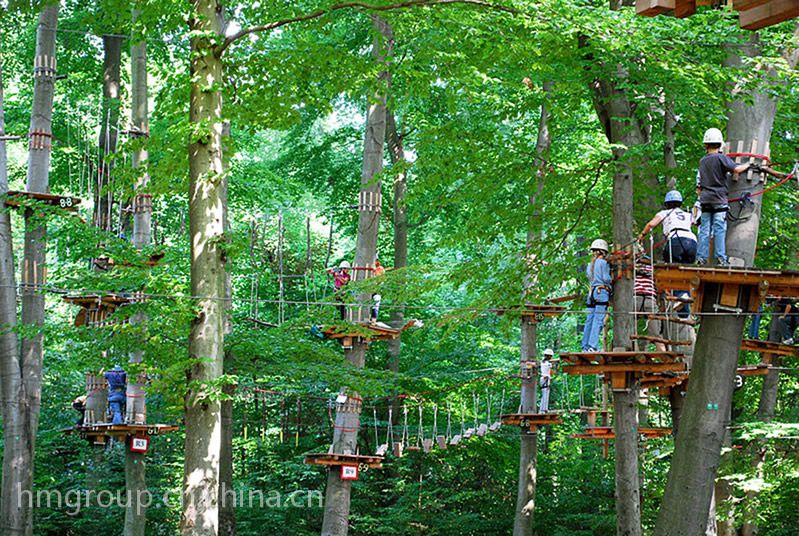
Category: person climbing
<point>341,278</point>
<point>379,268</point>
<point>79,405</point>
<point>680,240</point>
<point>545,379</point>
<point>601,287</point>
<point>713,196</point>
<point>788,319</point>
<point>374,311</point>
<point>646,297</point>
<point>117,384</point>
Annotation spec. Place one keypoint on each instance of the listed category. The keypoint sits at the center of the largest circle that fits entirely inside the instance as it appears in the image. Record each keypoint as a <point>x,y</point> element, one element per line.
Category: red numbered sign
<point>349,472</point>
<point>139,444</point>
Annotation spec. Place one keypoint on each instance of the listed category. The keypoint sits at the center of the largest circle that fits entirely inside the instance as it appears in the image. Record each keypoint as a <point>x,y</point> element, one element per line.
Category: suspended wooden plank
<point>753,370</point>
<point>333,459</point>
<point>64,202</point>
<point>651,8</point>
<point>98,433</point>
<point>769,347</point>
<point>586,370</point>
<point>531,421</point>
<point>769,14</point>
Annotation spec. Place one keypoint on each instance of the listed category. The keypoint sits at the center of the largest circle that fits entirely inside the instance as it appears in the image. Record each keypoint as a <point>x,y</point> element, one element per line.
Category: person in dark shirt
<point>713,169</point>
<point>788,318</point>
<point>117,384</point>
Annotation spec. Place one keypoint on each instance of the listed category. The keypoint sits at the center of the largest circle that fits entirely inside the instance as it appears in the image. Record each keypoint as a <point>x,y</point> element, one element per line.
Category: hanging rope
<point>405,425</point>
<point>374,418</point>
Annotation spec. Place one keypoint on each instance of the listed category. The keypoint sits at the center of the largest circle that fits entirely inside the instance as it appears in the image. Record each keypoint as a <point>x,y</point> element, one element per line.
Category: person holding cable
<point>680,240</point>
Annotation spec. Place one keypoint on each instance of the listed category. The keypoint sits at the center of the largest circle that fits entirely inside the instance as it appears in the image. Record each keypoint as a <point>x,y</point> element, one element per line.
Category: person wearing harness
<point>713,196</point>
<point>646,299</point>
<point>601,282</point>
<point>545,379</point>
<point>341,278</point>
<point>117,384</point>
<point>680,240</point>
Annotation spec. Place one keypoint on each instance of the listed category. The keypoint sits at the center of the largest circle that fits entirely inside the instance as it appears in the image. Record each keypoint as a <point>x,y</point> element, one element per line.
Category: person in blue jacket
<point>117,385</point>
<point>598,272</point>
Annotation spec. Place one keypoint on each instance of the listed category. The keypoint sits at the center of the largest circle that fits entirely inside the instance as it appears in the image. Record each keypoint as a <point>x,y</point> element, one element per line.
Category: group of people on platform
<point>681,245</point>
<point>342,277</point>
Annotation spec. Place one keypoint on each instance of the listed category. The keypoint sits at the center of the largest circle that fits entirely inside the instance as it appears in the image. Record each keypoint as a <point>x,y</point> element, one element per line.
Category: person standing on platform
<point>341,278</point>
<point>680,240</point>
<point>713,196</point>
<point>117,384</point>
<point>601,287</point>
<point>545,379</point>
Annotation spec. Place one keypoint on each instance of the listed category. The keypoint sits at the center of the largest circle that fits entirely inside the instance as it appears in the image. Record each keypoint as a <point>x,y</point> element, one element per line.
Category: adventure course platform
<point>616,365</point>
<point>769,347</point>
<point>347,333</point>
<point>329,459</point>
<point>15,199</point>
<point>752,14</point>
<point>760,369</point>
<point>106,263</point>
<point>733,283</point>
<point>96,309</point>
<point>99,433</point>
<point>662,380</point>
<point>531,421</point>
<point>534,312</point>
<point>591,414</point>
<point>606,432</point>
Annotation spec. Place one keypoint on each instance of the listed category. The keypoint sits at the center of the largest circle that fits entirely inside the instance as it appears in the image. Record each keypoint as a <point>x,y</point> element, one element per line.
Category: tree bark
<point>528,454</point>
<point>207,218</point>
<point>347,422</point>
<point>10,379</point>
<point>705,416</point>
<point>107,143</point>
<point>135,462</point>
<point>396,151</point>
<point>24,379</point>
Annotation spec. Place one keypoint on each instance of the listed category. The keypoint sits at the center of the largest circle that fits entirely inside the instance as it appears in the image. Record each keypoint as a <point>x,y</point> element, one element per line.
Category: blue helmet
<point>673,197</point>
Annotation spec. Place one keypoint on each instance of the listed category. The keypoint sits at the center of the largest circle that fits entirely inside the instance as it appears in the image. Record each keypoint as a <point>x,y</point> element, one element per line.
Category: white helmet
<point>377,297</point>
<point>599,244</point>
<point>344,264</point>
<point>713,135</point>
<point>549,352</point>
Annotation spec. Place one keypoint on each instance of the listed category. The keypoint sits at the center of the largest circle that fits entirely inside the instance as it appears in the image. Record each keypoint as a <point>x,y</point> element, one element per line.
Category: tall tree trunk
<point>23,387</point>
<point>135,462</point>
<point>528,453</point>
<point>207,218</point>
<point>337,494</point>
<point>697,453</point>
<point>10,379</point>
<point>396,151</point>
<point>103,197</point>
<point>623,127</point>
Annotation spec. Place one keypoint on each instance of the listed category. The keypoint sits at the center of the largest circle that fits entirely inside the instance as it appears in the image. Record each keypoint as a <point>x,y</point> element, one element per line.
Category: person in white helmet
<point>601,286</point>
<point>545,379</point>
<point>713,196</point>
<point>341,278</point>
<point>680,240</point>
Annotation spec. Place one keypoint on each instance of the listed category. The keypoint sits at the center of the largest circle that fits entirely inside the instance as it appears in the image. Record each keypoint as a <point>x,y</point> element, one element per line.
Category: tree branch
<point>353,5</point>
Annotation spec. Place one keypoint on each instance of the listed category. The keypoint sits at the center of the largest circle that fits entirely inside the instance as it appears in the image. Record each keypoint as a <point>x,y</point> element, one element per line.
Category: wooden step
<point>681,299</point>
<point>660,340</point>
<point>684,321</point>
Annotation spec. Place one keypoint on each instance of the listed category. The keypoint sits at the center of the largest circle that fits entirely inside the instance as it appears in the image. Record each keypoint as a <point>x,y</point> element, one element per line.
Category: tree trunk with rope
<point>528,454</point>
<point>207,219</point>
<point>135,462</point>
<point>705,417</point>
<point>396,151</point>
<point>622,126</point>
<point>22,373</point>
<point>109,120</point>
<point>347,421</point>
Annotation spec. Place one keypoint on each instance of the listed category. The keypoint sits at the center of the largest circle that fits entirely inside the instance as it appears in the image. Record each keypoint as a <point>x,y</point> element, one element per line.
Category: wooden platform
<point>15,199</point>
<point>346,333</point>
<point>660,340</point>
<point>760,369</point>
<point>536,312</point>
<point>607,432</point>
<point>616,366</point>
<point>753,14</point>
<point>99,433</point>
<point>769,347</point>
<point>663,380</point>
<point>93,300</point>
<point>735,281</point>
<point>106,263</point>
<point>530,421</point>
<point>373,462</point>
<point>96,309</point>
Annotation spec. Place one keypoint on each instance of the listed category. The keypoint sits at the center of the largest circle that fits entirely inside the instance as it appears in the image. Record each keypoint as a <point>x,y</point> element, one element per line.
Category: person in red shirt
<point>341,278</point>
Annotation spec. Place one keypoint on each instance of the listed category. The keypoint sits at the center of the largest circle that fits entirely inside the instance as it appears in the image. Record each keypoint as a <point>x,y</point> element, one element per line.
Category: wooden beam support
<point>769,14</point>
<point>581,370</point>
<point>743,5</point>
<point>684,8</point>
<point>651,8</point>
